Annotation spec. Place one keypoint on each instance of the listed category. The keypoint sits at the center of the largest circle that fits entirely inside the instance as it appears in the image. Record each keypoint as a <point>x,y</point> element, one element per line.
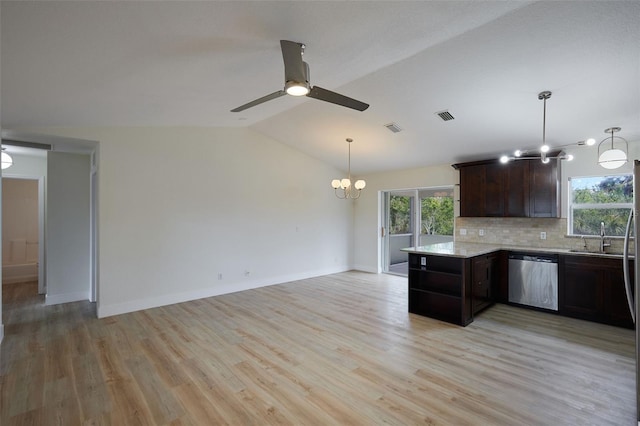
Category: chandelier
<point>343,188</point>
<point>544,149</point>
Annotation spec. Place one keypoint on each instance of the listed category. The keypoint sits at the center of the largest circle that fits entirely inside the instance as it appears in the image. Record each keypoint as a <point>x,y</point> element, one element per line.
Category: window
<point>437,212</point>
<point>597,199</point>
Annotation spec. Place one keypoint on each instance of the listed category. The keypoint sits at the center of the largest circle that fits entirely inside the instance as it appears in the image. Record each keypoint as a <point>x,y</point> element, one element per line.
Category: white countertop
<point>457,249</point>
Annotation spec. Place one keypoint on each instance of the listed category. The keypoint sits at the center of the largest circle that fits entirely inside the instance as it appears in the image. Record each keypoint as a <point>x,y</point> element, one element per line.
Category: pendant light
<point>343,187</point>
<point>7,161</point>
<point>544,149</point>
<point>612,152</point>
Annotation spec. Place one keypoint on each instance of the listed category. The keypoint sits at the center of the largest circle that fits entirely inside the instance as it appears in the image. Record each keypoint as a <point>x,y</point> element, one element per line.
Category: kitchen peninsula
<point>455,281</point>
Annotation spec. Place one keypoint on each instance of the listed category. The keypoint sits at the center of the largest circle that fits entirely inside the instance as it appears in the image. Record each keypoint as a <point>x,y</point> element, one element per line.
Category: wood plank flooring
<point>338,349</point>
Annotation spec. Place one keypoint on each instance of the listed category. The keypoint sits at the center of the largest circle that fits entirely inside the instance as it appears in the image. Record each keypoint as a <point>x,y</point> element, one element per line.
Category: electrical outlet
<point>463,231</point>
<point>543,235</point>
<point>481,232</point>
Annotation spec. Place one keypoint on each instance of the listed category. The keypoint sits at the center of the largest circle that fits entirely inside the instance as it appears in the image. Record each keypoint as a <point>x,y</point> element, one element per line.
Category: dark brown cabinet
<point>522,188</point>
<point>439,288</point>
<point>484,270</point>
<point>451,289</point>
<point>592,288</point>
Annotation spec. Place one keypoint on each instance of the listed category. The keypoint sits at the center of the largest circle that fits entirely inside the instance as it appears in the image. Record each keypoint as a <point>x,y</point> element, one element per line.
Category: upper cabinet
<point>521,188</point>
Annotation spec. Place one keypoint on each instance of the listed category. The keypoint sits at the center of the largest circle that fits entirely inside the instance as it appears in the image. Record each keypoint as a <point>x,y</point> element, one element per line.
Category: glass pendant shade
<point>612,158</point>
<point>7,161</point>
<point>612,151</point>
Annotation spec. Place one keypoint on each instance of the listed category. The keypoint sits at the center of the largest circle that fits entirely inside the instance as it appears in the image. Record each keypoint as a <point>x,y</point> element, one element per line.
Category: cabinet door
<point>483,269</point>
<point>517,189</point>
<point>543,192</point>
<point>581,291</point>
<point>616,307</point>
<point>472,180</point>
<point>494,190</point>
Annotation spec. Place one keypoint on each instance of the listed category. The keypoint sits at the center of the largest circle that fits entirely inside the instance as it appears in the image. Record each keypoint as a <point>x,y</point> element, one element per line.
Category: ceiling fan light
<point>7,161</point>
<point>294,88</point>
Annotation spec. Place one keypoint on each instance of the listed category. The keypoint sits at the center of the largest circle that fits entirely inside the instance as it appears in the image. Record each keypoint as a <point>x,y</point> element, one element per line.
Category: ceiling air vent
<point>445,115</point>
<point>393,127</point>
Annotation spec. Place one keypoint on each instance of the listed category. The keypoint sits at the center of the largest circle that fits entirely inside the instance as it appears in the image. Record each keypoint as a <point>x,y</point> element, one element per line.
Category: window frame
<point>593,206</point>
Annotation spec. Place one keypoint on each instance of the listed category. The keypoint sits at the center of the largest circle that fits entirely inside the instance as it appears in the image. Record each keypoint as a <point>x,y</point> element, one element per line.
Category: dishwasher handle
<point>550,258</point>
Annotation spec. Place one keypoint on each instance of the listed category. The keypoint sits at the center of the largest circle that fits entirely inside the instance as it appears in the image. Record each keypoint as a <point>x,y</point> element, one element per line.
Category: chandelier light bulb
<point>335,184</point>
<point>360,184</point>
<point>517,153</point>
<point>544,148</point>
<point>345,183</point>
<point>504,159</point>
<point>590,141</point>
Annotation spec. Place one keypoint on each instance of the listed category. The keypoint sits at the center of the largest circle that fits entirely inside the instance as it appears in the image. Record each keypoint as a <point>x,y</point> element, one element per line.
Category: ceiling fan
<point>296,82</point>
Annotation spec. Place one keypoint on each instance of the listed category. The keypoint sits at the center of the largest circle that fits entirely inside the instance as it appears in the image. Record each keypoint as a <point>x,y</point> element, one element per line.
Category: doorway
<point>414,217</point>
<point>22,232</point>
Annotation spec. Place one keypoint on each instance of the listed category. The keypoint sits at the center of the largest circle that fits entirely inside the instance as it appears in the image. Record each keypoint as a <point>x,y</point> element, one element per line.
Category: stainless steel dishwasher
<point>533,280</point>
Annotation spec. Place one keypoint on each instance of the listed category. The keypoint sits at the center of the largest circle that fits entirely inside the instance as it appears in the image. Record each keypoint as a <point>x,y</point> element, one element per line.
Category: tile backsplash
<point>526,232</point>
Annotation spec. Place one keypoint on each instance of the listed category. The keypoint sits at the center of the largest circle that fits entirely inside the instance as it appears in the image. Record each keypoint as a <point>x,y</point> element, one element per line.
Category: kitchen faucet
<point>602,243</point>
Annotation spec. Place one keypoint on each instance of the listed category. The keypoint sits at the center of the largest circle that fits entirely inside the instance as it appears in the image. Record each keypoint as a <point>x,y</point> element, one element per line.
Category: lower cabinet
<point>484,271</point>
<point>592,288</point>
<point>439,288</point>
<point>451,289</point>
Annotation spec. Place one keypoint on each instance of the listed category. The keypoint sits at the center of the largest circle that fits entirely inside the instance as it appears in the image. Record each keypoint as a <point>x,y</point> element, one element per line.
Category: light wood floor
<point>339,349</point>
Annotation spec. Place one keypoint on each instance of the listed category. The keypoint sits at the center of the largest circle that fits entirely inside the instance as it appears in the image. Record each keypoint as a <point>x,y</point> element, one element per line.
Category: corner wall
<point>185,213</point>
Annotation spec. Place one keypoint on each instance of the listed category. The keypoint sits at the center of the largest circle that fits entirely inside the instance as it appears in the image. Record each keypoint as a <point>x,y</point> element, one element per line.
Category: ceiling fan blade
<point>336,98</point>
<point>294,68</point>
<point>259,101</point>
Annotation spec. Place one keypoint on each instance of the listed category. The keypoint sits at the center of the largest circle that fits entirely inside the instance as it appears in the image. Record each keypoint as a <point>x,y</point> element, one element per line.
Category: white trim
<point>1,332</point>
<point>170,299</point>
<point>58,299</point>
<point>363,268</point>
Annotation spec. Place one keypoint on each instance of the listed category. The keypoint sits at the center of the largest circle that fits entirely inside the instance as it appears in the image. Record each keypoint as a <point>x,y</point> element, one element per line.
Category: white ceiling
<point>157,63</point>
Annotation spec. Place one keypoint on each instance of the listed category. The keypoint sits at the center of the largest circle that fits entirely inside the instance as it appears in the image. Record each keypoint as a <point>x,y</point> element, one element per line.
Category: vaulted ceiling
<point>183,63</point>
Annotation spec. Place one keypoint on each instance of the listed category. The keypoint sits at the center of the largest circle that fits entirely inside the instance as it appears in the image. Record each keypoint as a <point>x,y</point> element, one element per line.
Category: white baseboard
<point>57,299</point>
<point>366,268</point>
<point>219,289</point>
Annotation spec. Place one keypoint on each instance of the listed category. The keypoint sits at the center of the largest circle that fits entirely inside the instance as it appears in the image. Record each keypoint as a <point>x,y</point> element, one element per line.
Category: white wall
<point>367,218</point>
<point>68,238</point>
<point>178,206</point>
